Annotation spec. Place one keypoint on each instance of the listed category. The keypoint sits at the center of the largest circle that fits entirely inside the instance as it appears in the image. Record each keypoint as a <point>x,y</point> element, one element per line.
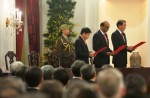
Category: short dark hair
<point>75,67</point>
<point>102,24</point>
<point>33,76</point>
<point>120,23</point>
<point>87,72</point>
<point>135,83</point>
<point>85,30</point>
<point>61,75</point>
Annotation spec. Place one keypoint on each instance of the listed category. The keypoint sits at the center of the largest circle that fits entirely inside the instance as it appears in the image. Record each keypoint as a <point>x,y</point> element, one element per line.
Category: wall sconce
<point>15,20</point>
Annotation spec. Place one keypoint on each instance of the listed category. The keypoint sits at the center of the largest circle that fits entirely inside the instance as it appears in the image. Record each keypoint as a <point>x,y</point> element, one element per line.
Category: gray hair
<point>110,82</point>
<point>47,71</point>
<point>15,66</point>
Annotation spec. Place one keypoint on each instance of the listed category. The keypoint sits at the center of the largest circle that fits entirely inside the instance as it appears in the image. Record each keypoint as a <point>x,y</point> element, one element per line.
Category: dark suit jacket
<point>81,49</point>
<point>98,43</point>
<point>117,41</point>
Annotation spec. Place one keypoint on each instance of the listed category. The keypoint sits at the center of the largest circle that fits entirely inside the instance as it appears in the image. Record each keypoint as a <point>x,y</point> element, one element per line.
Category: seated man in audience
<point>135,86</point>
<point>53,89</point>
<point>111,84</point>
<point>33,78</point>
<point>88,73</point>
<point>75,70</point>
<point>61,75</point>
<point>15,66</point>
<point>81,89</point>
<point>47,71</point>
<point>13,84</point>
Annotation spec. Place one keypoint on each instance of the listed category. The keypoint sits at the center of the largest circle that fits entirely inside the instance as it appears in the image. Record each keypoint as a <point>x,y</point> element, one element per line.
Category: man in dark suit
<point>64,49</point>
<point>118,39</point>
<point>81,48</point>
<point>100,40</point>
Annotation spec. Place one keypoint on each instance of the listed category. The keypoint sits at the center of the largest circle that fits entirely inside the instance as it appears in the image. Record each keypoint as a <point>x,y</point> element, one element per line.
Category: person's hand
<point>112,53</point>
<point>108,53</point>
<point>130,48</point>
<point>91,54</point>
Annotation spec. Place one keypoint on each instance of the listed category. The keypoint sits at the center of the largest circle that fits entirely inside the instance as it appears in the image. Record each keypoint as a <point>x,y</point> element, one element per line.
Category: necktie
<point>105,38</point>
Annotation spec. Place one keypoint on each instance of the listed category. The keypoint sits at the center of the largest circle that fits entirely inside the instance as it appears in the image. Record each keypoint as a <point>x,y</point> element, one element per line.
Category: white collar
<point>119,31</point>
<point>102,32</point>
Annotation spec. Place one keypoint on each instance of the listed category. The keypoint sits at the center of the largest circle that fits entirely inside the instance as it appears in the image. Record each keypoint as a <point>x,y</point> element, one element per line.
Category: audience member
<point>81,89</point>
<point>136,86</point>
<point>53,89</point>
<point>33,78</point>
<point>111,83</point>
<point>47,71</point>
<point>15,66</point>
<point>13,82</point>
<point>20,72</point>
<point>75,69</point>
<point>88,73</point>
<point>61,75</point>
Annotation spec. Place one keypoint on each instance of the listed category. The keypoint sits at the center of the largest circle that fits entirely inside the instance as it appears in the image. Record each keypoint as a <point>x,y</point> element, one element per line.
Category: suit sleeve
<point>78,49</point>
<point>96,43</point>
<point>115,41</point>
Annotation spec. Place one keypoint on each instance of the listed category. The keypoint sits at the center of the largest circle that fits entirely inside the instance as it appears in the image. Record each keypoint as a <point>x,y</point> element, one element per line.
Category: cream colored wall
<point>135,12</point>
<point>7,34</point>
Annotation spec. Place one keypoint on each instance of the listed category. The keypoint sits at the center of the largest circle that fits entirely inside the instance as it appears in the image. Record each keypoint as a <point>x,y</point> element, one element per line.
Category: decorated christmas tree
<point>60,12</point>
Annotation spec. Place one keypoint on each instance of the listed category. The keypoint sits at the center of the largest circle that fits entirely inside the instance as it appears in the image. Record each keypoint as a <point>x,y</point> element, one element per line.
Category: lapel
<point>80,38</point>
<point>121,38</point>
<point>101,35</point>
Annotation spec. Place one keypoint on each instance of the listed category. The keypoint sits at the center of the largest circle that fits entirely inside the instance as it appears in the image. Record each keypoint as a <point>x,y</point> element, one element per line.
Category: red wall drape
<point>32,7</point>
<point>20,4</point>
<point>33,25</point>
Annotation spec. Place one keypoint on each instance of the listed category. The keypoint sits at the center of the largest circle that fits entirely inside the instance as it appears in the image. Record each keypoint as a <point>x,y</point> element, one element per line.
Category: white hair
<point>15,66</point>
<point>110,83</point>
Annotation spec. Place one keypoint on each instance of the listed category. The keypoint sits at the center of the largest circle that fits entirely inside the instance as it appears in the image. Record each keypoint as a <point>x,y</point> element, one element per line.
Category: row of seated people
<point>49,82</point>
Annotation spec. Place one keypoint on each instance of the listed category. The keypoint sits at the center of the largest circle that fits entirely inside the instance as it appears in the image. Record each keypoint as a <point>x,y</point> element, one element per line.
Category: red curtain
<point>32,7</point>
<point>33,25</point>
<point>20,4</point>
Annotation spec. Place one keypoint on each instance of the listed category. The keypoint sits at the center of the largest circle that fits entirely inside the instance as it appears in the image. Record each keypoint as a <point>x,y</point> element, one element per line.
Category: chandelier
<point>14,20</point>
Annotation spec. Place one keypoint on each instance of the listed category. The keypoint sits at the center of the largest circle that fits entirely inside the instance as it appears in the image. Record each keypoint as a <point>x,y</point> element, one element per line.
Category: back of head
<point>81,89</point>
<point>61,75</point>
<point>110,82</point>
<point>135,83</point>
<point>75,67</point>
<point>53,89</point>
<point>106,66</point>
<point>47,71</point>
<point>13,82</point>
<point>33,76</point>
<point>15,66</point>
<point>85,30</point>
<point>20,72</point>
<point>88,72</point>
